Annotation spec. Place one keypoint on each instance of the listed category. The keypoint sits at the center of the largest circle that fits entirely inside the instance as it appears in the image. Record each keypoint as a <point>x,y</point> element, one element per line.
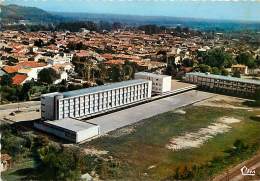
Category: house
<point>63,76</point>
<point>243,69</point>
<point>31,69</point>
<point>20,79</point>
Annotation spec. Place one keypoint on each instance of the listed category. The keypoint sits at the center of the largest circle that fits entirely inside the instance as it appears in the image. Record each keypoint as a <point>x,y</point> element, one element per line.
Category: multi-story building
<point>95,100</point>
<point>223,83</point>
<point>160,83</point>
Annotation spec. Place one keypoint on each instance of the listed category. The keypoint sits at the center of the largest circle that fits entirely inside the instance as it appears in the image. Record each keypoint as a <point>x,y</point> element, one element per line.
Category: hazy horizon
<point>218,10</point>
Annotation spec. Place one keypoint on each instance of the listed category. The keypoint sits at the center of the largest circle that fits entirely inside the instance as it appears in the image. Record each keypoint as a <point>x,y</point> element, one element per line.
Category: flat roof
<point>222,77</point>
<point>103,88</point>
<point>71,124</point>
<point>151,74</point>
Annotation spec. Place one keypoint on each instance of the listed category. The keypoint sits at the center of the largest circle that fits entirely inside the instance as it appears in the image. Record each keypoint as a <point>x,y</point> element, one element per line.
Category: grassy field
<point>144,151</point>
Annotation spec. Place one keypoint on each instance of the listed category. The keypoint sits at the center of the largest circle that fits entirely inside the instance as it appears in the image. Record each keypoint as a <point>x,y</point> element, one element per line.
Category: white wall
<point>160,83</point>
<point>52,130</point>
<point>88,133</point>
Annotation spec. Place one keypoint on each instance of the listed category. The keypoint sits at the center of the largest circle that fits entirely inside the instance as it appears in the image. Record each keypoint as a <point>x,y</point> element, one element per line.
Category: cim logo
<point>246,171</point>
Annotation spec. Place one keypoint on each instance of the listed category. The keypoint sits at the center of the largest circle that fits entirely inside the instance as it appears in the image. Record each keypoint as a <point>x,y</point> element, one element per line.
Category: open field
<point>143,146</point>
<point>113,121</point>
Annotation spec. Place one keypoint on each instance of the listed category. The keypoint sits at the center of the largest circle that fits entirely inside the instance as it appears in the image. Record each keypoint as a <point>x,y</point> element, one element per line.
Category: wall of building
<point>88,133</point>
<point>48,106</point>
<point>56,107</point>
<point>57,132</point>
<point>218,84</point>
<point>160,83</point>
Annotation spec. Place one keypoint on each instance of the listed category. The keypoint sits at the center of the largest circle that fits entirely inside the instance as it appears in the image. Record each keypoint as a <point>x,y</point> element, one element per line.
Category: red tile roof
<point>115,62</point>
<point>10,69</point>
<point>18,79</point>
<point>25,64</point>
<point>31,64</point>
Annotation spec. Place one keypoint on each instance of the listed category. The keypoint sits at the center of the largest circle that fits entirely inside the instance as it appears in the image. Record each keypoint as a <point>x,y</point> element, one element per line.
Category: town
<point>128,103</point>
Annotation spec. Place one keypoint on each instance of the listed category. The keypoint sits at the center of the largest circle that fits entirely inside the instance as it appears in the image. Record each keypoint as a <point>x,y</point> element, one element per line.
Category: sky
<point>247,10</point>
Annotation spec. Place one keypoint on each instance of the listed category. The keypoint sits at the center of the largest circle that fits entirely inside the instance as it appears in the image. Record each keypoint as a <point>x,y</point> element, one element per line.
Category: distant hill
<point>14,13</point>
<point>135,20</point>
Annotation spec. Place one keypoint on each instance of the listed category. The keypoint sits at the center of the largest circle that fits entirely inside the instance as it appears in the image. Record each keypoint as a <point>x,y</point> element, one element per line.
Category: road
<point>132,115</point>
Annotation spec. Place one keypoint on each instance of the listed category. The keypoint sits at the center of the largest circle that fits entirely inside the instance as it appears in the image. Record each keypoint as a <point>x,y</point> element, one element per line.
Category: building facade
<point>223,83</point>
<point>95,100</point>
<point>160,83</point>
<point>70,129</point>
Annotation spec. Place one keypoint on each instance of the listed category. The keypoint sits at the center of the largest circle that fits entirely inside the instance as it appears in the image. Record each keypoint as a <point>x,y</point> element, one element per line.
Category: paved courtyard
<point>132,115</point>
<point>24,111</point>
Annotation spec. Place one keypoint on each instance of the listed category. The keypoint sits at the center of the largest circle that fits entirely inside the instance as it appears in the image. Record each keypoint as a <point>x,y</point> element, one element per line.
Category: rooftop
<point>19,79</point>
<point>222,77</point>
<point>151,74</point>
<point>103,87</point>
<point>71,124</point>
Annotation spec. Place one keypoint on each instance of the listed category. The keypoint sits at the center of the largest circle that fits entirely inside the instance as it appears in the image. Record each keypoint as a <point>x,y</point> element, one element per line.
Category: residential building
<point>225,84</point>
<point>95,100</point>
<point>160,83</point>
<point>19,79</point>
<point>242,69</point>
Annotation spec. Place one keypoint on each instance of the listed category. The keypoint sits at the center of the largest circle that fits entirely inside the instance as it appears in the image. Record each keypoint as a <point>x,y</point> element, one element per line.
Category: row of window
<point>89,109</point>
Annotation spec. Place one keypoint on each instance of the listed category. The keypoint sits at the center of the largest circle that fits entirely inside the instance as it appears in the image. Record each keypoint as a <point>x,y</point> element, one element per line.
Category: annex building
<point>94,100</point>
<point>226,84</point>
<point>160,83</point>
<point>69,129</point>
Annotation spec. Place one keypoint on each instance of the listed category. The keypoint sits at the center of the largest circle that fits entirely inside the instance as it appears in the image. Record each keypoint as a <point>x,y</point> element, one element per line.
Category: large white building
<point>160,83</point>
<point>224,84</point>
<point>95,100</point>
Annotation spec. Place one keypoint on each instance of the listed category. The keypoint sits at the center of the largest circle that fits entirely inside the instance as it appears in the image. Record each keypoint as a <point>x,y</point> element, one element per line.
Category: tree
<point>257,61</point>
<point>60,163</point>
<point>204,68</point>
<point>39,43</point>
<point>48,75</point>
<point>247,59</point>
<point>257,97</point>
<point>224,72</point>
<point>6,80</point>
<point>218,58</point>
<point>116,25</point>
<point>187,62</point>
<point>128,70</point>
<point>115,74</point>
<point>215,70</point>
<point>25,91</point>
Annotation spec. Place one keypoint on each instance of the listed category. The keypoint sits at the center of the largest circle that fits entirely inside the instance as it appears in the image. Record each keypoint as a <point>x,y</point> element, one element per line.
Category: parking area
<point>17,112</point>
<point>132,115</point>
<point>176,84</point>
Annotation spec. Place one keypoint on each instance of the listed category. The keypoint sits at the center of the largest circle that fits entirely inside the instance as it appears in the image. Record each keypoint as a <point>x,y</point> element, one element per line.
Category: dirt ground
<point>196,139</point>
<point>225,102</point>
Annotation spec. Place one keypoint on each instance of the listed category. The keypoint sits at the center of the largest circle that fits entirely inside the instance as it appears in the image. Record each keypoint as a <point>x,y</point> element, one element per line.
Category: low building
<point>94,100</point>
<point>242,69</point>
<point>19,79</point>
<point>160,83</point>
<point>69,129</point>
<point>225,84</point>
